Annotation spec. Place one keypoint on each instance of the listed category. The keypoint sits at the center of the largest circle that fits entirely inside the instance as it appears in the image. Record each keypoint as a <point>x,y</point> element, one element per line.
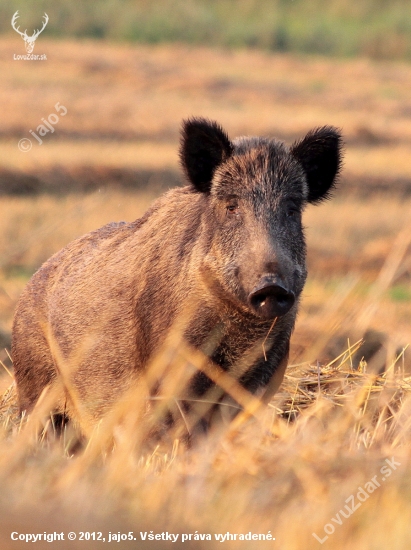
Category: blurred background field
<point>376,28</point>
<point>117,148</point>
<point>128,73</point>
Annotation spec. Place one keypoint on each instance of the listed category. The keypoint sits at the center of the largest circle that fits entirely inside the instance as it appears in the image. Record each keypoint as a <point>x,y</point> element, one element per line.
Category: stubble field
<point>289,468</point>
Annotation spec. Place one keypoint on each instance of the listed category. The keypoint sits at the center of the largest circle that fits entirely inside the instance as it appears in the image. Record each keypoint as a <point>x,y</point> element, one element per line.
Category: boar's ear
<point>320,155</point>
<point>204,146</point>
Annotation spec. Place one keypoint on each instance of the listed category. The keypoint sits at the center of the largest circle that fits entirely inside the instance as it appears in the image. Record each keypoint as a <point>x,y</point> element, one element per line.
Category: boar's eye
<point>293,211</point>
<point>232,208</point>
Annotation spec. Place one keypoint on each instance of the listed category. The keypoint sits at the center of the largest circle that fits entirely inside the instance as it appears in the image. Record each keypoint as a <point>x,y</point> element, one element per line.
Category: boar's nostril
<point>271,300</point>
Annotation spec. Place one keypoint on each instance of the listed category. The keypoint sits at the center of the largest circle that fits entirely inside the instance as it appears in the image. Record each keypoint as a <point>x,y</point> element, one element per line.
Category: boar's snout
<point>271,299</point>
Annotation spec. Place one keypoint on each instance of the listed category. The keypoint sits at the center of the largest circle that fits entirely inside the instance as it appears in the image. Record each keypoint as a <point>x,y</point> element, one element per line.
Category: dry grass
<point>125,103</point>
<point>296,462</point>
<point>349,242</point>
<point>287,468</point>
<point>327,433</point>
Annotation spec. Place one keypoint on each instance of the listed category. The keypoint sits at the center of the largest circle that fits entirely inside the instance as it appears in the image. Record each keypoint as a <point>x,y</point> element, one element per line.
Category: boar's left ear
<point>204,146</point>
<point>320,155</point>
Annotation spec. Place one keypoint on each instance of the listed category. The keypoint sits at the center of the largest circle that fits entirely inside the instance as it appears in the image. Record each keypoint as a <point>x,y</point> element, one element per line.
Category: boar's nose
<point>271,299</point>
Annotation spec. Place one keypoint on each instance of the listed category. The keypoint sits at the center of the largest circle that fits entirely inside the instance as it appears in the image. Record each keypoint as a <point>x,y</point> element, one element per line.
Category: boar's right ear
<point>204,146</point>
<point>320,155</point>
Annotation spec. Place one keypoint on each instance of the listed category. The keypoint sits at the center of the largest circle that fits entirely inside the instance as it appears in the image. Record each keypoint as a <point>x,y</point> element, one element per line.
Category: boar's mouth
<point>271,299</point>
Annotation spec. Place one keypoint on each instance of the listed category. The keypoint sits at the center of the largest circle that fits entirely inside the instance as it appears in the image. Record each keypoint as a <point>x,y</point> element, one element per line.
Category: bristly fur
<point>227,251</point>
<point>319,152</point>
<point>204,145</point>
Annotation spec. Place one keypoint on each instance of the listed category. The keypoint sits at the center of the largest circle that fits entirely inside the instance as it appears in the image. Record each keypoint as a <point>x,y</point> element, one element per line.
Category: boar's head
<point>254,191</point>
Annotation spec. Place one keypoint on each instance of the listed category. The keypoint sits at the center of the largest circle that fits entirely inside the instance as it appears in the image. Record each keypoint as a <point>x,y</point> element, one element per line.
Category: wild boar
<point>231,242</point>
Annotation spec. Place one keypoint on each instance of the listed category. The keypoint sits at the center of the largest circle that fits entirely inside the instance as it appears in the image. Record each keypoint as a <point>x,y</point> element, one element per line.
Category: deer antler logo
<point>29,40</point>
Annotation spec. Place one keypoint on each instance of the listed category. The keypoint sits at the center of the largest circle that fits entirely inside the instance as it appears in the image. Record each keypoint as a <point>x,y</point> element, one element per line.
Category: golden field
<point>288,468</point>
<point>125,104</point>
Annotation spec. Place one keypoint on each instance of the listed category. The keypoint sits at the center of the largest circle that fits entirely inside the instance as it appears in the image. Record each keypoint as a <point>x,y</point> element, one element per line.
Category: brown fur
<point>100,308</point>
